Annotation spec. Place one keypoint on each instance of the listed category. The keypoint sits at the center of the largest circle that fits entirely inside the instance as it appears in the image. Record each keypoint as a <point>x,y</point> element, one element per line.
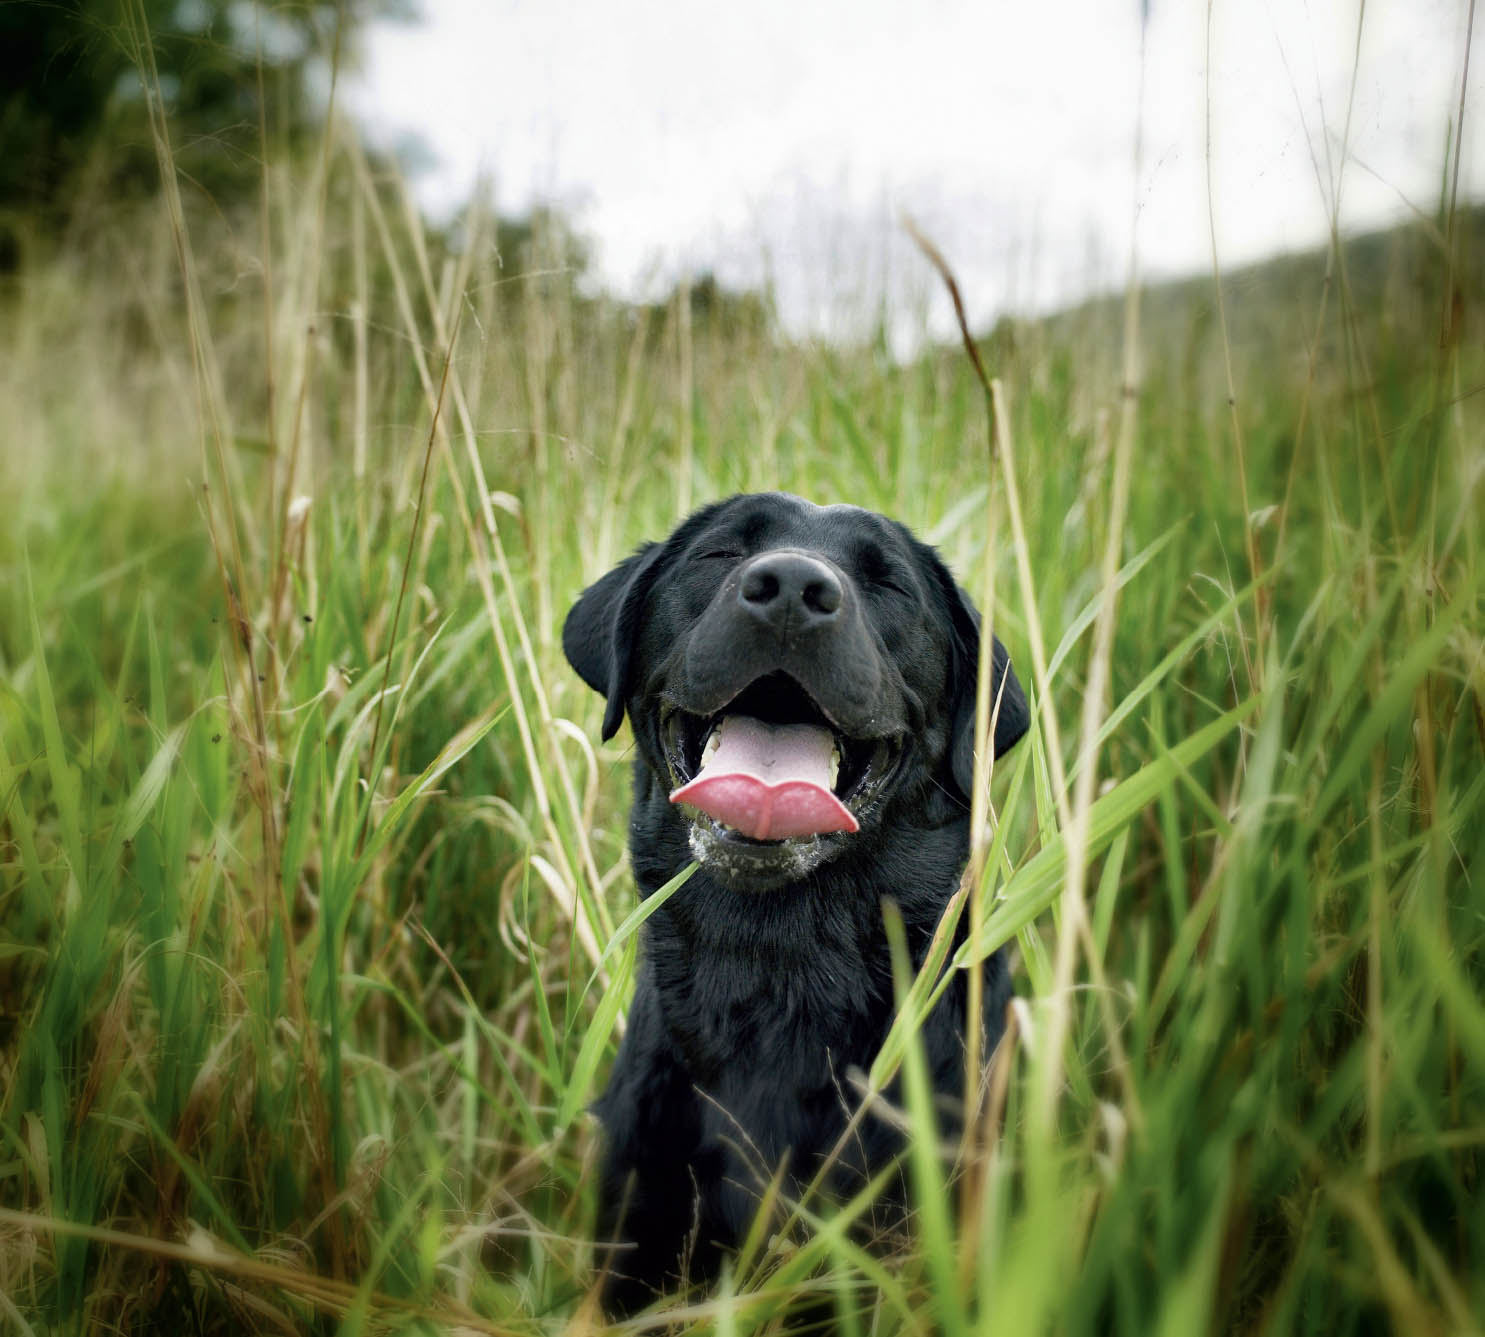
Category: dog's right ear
<point>1008,703</point>
<point>598,636</point>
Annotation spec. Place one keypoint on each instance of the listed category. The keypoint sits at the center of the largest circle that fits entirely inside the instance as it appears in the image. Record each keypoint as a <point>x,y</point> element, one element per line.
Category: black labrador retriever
<point>801,685</point>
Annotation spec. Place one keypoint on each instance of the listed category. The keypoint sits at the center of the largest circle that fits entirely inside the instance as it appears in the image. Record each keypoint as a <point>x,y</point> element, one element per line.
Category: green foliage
<point>74,129</point>
<point>315,925</point>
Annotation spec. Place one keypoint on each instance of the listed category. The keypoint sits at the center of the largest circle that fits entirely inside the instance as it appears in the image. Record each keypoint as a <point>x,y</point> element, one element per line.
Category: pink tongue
<point>769,781</point>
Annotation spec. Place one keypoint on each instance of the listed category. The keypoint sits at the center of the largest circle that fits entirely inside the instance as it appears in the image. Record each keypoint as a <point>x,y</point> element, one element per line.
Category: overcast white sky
<point>784,137</point>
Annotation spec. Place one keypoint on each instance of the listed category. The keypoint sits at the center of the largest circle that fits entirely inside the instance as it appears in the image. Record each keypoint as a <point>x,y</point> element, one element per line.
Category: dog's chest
<point>768,1026</point>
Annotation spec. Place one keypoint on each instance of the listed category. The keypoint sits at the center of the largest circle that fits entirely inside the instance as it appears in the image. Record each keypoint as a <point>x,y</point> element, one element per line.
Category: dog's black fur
<point>767,978</point>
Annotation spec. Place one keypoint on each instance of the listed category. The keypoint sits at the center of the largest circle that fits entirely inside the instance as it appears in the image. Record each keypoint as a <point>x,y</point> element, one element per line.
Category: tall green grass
<point>315,922</point>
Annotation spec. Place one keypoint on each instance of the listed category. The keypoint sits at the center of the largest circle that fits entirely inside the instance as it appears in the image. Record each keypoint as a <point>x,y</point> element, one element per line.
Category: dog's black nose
<point>781,586</point>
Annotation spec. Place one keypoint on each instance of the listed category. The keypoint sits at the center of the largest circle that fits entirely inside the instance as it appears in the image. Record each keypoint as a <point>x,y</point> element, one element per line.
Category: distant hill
<point>1390,283</point>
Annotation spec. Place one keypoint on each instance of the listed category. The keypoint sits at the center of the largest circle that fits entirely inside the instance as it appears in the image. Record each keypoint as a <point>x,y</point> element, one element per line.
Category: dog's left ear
<point>1008,707</point>
<point>598,636</point>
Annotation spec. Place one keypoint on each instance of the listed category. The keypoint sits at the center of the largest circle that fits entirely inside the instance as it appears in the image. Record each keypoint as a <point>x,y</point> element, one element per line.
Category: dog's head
<point>793,674</point>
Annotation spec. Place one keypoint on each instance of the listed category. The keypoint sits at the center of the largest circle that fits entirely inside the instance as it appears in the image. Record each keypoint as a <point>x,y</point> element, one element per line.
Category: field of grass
<point>314,936</point>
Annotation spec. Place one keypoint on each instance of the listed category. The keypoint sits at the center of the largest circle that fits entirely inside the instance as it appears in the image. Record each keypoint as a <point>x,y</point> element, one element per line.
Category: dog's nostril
<point>760,586</point>
<point>822,596</point>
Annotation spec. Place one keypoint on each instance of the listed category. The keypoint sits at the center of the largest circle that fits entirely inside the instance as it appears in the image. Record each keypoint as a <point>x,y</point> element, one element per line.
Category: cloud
<point>786,137</point>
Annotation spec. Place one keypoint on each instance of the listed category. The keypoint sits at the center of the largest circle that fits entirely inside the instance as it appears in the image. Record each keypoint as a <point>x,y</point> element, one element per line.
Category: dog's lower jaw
<point>756,866</point>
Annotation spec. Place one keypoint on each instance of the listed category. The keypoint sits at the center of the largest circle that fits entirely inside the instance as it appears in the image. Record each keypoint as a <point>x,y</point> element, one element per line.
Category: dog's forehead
<point>784,520</point>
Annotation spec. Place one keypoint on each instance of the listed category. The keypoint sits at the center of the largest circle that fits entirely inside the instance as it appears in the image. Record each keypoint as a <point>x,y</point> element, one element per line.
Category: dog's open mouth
<point>771,765</point>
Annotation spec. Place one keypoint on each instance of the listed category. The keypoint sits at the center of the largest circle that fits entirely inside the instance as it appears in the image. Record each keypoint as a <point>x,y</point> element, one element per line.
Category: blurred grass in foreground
<point>310,866</point>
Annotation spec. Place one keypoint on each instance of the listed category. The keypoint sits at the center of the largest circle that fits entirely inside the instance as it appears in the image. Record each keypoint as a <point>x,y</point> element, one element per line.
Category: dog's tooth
<point>713,742</point>
<point>834,766</point>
